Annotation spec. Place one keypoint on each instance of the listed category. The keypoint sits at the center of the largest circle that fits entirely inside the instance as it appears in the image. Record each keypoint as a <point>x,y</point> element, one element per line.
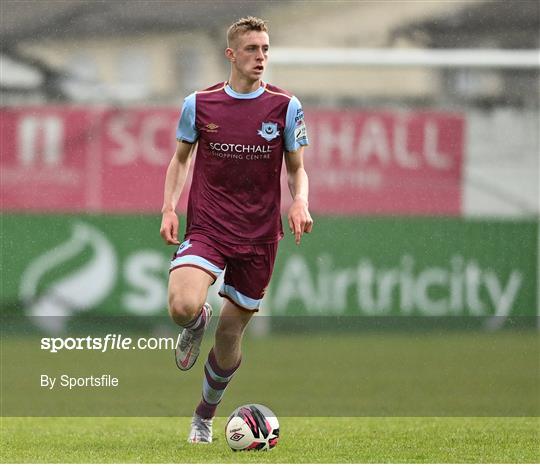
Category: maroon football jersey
<point>235,193</point>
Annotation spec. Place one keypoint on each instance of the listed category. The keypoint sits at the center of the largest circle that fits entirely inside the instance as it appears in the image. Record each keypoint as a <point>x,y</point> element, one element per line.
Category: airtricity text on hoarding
<point>459,287</point>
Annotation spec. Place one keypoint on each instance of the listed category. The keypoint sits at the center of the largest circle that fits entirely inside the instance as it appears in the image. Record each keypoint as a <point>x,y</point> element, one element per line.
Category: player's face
<point>250,54</point>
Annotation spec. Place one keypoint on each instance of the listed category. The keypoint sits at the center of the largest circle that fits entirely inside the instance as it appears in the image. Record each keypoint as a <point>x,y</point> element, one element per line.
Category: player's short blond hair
<point>243,25</point>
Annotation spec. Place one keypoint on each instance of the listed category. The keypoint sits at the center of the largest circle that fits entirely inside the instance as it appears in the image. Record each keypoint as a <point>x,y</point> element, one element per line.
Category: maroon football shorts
<point>248,268</point>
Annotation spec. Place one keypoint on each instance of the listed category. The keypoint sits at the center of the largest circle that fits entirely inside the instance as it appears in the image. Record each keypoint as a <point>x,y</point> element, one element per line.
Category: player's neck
<point>243,86</point>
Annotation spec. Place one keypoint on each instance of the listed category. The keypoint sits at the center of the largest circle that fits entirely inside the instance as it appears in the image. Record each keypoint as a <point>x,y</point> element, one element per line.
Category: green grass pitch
<point>490,380</point>
<point>303,440</point>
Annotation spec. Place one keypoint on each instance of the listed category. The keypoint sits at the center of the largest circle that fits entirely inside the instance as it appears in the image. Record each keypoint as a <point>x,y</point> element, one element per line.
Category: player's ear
<point>229,53</point>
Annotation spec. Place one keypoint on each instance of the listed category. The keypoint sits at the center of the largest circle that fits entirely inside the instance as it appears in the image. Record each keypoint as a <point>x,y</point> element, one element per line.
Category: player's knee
<point>183,309</point>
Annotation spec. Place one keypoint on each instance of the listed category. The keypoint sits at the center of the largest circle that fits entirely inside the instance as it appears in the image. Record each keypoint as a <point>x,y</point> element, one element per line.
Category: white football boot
<point>201,430</point>
<point>188,349</point>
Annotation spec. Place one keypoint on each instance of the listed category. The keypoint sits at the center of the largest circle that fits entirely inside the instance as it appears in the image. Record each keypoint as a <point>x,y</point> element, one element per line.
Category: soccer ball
<point>252,427</point>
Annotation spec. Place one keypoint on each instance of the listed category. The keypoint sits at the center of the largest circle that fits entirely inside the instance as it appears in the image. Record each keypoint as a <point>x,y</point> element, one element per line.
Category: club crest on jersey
<point>268,131</point>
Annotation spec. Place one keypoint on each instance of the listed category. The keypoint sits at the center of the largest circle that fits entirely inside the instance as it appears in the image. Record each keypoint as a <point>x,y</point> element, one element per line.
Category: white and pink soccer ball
<point>252,427</point>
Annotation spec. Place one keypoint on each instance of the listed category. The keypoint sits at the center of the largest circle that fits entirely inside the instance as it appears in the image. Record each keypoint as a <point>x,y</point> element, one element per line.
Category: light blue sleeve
<point>295,126</point>
<point>186,130</point>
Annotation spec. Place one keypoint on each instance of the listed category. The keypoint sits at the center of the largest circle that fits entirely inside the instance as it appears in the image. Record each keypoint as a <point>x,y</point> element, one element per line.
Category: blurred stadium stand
<point>127,52</point>
<point>95,51</point>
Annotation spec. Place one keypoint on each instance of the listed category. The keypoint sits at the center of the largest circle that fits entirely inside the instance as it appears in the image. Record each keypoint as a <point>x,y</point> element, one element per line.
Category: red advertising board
<point>44,158</point>
<point>385,162</point>
<point>86,159</point>
<point>114,160</point>
<point>136,147</point>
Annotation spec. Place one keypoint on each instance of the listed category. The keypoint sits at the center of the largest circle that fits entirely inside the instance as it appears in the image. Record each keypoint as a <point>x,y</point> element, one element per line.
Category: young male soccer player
<point>243,128</point>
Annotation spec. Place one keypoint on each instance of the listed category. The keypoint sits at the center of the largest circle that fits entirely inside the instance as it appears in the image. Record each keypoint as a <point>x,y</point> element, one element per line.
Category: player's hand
<point>169,227</point>
<point>300,220</point>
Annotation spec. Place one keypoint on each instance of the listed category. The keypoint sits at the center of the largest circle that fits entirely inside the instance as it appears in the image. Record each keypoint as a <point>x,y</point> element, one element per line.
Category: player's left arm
<point>300,220</point>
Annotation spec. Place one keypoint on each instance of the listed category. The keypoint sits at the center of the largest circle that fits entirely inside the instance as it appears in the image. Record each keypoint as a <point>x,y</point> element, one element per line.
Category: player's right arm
<point>174,183</point>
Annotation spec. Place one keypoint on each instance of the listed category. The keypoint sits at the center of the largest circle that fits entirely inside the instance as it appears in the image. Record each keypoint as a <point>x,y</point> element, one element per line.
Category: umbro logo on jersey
<point>211,128</point>
<point>268,131</point>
